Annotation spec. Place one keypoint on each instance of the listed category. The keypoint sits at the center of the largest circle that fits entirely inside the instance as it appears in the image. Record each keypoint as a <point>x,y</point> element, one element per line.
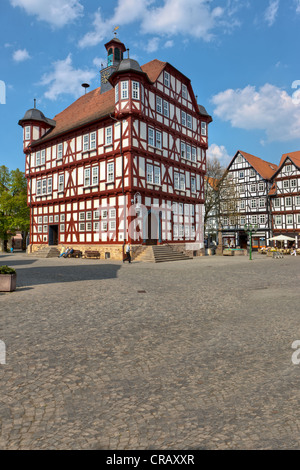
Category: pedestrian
<point>128,256</point>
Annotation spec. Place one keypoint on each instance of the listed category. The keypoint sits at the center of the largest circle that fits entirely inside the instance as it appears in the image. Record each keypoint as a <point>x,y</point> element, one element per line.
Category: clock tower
<point>115,49</point>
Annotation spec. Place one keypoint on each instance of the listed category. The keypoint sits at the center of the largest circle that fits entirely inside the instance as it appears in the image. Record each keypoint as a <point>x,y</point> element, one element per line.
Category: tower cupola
<point>115,50</point>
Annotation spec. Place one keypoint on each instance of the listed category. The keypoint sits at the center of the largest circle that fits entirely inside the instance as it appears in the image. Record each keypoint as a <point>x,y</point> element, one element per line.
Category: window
<point>288,201</point>
<point>62,227</point>
<point>166,79</point>
<point>254,219</point>
<point>203,128</point>
<point>112,213</point>
<point>45,219</point>
<point>89,141</point>
<point>176,180</point>
<point>149,174</point>
<point>108,135</point>
<point>104,214</point>
<point>89,215</point>
<point>253,203</point>
<point>112,225</point>
<point>87,177</point>
<point>59,151</point>
<point>62,217</point>
<point>124,90</point>
<point>293,183</point>
<point>242,221</point>
<point>262,203</point>
<point>96,214</point>
<point>289,219</point>
<point>44,187</point>
<point>242,188</point>
<point>104,226</point>
<point>183,150</point>
<point>262,219</point>
<point>159,104</point>
<point>158,140</point>
<point>277,202</point>
<point>157,175</point>
<point>49,182</point>
<point>298,218</point>
<point>288,168</point>
<point>166,108</point>
<point>95,176</point>
<point>297,200</point>
<point>242,204</point>
<point>188,152</point>
<point>27,133</point>
<point>151,136</point>
<point>241,174</point>
<point>261,187</point>
<point>253,188</point>
<point>81,215</point>
<point>182,182</point>
<point>278,220</point>
<point>38,188</point>
<point>184,92</point>
<point>117,92</point>
<point>81,227</point>
<point>189,121</point>
<point>96,226</point>
<point>38,158</point>
<point>194,154</point>
<point>89,226</point>
<point>193,184</point>
<point>286,183</point>
<point>135,90</point>
<point>110,172</point>
<point>60,183</point>
<point>183,118</point>
<point>252,172</point>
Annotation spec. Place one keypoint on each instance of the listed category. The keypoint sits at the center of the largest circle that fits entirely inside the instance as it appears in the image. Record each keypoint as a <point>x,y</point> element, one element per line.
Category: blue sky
<point>242,57</point>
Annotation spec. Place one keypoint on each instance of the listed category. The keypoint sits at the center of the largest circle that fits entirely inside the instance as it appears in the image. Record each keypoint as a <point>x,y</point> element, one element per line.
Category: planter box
<point>228,253</point>
<point>8,282</point>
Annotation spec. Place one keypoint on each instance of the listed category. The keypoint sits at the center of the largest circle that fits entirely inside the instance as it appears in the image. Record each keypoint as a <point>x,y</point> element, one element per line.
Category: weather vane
<point>115,30</point>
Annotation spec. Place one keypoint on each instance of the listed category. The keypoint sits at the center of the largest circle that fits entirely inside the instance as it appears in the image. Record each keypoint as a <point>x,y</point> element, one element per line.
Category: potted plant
<point>8,279</point>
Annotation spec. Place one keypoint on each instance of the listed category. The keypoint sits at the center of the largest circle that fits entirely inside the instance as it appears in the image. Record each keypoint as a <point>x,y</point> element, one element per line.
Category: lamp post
<point>249,228</point>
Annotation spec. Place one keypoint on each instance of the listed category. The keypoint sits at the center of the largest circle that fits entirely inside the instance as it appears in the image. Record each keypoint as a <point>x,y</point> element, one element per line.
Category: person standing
<point>128,256</point>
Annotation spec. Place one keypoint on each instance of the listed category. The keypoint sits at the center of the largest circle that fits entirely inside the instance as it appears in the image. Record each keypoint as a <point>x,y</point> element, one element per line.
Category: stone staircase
<point>46,252</point>
<point>160,253</point>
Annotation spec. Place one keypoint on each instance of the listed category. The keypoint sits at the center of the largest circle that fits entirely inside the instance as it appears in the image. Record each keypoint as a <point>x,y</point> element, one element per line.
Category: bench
<point>76,254</point>
<point>91,254</point>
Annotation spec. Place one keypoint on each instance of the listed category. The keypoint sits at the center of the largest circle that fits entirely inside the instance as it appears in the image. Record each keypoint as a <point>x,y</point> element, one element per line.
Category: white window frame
<point>194,154</point>
<point>59,151</point>
<point>44,187</point>
<point>108,135</point>
<point>193,184</point>
<point>262,202</point>
<point>176,180</point>
<point>277,202</point>
<point>95,176</point>
<point>110,169</point>
<point>159,106</point>
<point>27,133</point>
<point>135,90</point>
<point>288,201</point>
<point>183,118</point>
<point>61,183</point>
<point>39,188</point>
<point>293,183</point>
<point>297,200</point>
<point>49,185</point>
<point>166,79</point>
<point>203,128</point>
<point>278,219</point>
<point>151,138</point>
<point>158,139</point>
<point>188,152</point>
<point>261,186</point>
<point>124,90</point>
<point>166,109</point>
<point>87,177</point>
<point>150,173</point>
<point>157,180</point>
<point>182,181</point>
<point>189,121</point>
<point>183,150</point>
<point>253,204</point>
<point>289,219</point>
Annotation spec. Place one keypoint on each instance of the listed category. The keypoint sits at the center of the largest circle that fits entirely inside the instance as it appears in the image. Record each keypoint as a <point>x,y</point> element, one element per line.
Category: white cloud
<point>220,153</point>
<point>297,4</point>
<point>196,18</point>
<point>169,43</point>
<point>100,62</point>
<point>55,12</point>
<point>269,109</point>
<point>152,44</point>
<point>271,12</point>
<point>20,55</point>
<point>65,79</point>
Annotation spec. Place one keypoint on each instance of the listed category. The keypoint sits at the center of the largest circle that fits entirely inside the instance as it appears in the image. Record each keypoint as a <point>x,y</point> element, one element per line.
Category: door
<point>53,234</point>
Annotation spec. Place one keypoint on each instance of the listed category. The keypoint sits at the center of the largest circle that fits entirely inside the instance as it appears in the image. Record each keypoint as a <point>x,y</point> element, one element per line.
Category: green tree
<point>14,212</point>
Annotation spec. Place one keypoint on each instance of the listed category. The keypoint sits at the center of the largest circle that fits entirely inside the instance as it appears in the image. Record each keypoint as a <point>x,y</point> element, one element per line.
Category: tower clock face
<point>105,77</point>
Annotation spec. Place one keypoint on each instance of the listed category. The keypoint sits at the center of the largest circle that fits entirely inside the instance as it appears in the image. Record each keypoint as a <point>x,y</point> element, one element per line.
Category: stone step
<point>160,254</point>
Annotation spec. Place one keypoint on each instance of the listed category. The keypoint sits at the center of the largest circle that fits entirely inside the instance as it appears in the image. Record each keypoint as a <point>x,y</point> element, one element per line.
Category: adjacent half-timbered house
<point>285,197</point>
<point>123,163</point>
<point>251,180</point>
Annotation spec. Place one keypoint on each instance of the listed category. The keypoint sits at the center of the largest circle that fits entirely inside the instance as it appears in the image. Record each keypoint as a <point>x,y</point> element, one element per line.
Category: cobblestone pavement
<point>185,355</point>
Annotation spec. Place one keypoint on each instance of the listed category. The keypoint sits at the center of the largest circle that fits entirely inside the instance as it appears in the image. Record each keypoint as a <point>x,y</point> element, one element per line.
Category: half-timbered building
<point>124,162</point>
<point>285,197</point>
<point>250,181</point>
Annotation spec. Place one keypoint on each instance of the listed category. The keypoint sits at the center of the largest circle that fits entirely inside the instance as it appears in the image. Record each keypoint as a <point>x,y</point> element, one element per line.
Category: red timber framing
<point>144,137</point>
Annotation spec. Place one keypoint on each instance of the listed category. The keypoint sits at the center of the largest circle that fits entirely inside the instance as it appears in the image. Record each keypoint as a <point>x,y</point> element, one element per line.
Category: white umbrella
<point>282,238</point>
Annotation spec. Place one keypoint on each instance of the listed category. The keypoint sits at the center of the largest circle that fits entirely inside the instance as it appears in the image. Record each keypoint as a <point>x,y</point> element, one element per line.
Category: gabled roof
<point>265,169</point>
<point>93,106</point>
<point>293,156</point>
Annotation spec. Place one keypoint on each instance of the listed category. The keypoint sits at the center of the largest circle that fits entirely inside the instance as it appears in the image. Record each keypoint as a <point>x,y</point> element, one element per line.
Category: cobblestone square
<point>186,355</point>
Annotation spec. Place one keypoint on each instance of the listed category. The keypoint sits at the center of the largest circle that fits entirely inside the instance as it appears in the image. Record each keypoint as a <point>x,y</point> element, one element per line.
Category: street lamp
<point>249,228</point>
